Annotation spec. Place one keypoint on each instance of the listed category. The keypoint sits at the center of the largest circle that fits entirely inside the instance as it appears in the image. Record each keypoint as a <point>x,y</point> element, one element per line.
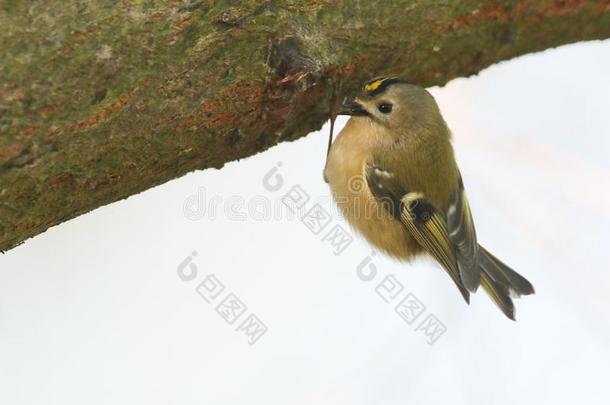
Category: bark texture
<point>102,99</point>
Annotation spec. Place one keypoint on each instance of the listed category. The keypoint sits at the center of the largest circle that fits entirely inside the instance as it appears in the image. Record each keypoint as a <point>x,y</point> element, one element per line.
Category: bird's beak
<point>353,108</point>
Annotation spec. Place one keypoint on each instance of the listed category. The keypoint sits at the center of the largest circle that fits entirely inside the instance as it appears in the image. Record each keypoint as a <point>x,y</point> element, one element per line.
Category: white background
<point>92,311</point>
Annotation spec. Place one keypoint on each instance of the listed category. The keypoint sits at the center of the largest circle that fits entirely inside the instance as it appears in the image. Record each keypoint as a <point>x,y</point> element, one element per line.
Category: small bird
<point>393,174</point>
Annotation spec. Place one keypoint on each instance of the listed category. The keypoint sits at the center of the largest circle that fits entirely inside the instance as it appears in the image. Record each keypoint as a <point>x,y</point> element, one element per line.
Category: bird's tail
<point>501,282</point>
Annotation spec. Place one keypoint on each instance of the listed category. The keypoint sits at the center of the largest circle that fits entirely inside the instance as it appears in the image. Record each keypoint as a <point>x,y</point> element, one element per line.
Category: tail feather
<point>499,294</point>
<point>501,282</point>
<point>500,272</point>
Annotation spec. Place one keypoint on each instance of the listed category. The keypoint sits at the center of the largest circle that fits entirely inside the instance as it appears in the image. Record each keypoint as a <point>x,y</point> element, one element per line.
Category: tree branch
<point>101,100</point>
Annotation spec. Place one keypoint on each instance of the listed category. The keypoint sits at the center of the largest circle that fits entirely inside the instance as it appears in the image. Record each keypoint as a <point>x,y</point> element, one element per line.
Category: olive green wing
<point>423,221</point>
<point>464,238</point>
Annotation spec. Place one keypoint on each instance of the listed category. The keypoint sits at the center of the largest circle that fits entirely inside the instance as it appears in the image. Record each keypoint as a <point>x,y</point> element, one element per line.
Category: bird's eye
<point>385,108</point>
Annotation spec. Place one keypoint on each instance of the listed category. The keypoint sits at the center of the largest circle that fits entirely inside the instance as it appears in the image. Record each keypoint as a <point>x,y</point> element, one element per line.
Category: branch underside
<point>104,99</point>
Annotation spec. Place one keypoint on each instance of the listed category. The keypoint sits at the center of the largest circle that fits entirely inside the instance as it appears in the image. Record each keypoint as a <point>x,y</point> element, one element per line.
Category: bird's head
<point>394,104</point>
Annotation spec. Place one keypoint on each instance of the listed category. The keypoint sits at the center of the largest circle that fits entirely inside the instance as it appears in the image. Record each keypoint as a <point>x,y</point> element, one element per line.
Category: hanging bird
<point>393,174</point>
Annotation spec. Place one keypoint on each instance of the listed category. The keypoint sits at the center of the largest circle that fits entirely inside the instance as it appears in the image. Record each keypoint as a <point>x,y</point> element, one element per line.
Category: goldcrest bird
<point>393,174</point>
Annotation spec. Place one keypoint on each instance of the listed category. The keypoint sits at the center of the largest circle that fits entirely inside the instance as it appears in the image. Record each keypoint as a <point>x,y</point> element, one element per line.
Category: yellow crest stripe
<point>378,84</point>
<point>370,87</point>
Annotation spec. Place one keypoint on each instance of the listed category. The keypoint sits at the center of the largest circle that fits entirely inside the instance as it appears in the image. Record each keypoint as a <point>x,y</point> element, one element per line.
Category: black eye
<point>385,108</point>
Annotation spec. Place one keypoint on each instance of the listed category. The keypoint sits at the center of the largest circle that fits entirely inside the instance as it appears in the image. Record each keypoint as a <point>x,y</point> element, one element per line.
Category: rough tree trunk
<point>100,100</point>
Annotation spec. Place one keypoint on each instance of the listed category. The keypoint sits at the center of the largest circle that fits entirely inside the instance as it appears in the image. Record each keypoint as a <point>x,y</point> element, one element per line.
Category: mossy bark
<point>100,100</point>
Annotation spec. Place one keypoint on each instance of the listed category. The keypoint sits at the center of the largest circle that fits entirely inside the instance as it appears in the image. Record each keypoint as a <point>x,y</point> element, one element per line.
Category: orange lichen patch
<point>108,111</point>
<point>10,152</point>
<point>50,109</point>
<point>222,119</point>
<point>240,92</point>
<point>524,6</point>
<point>164,120</point>
<point>192,121</point>
<point>561,7</point>
<point>27,132</point>
<point>209,106</point>
<point>188,122</point>
<point>245,91</point>
<point>555,8</point>
<point>486,13</point>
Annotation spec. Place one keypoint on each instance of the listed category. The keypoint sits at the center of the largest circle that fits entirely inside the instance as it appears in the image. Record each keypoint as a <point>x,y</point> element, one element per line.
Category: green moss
<point>105,99</point>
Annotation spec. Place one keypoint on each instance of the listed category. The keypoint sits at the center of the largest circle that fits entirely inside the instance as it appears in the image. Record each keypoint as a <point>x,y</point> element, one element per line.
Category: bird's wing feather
<point>427,226</point>
<point>464,239</point>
